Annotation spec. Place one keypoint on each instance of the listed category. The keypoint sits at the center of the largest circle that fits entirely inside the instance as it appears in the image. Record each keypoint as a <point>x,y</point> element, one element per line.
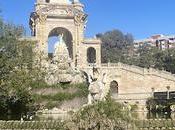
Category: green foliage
<point>51,104</point>
<point>159,108</point>
<point>82,87</point>
<point>134,107</point>
<point>83,90</point>
<point>153,57</point>
<point>19,76</point>
<point>105,115</point>
<point>59,125</point>
<point>54,99</point>
<point>17,72</point>
<point>151,104</point>
<point>115,45</point>
<point>56,125</point>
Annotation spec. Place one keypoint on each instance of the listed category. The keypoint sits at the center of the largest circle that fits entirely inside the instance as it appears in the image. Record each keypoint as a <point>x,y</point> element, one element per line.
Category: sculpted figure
<point>61,53</point>
<point>59,70</point>
<point>57,44</point>
<point>96,89</point>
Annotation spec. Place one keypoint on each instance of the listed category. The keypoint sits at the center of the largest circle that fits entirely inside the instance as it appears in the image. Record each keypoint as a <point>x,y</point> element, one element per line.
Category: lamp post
<point>152,92</point>
<point>168,92</point>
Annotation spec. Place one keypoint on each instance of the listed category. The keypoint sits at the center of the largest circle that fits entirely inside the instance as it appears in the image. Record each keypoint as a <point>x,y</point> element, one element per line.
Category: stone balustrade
<point>37,125</point>
<point>156,124</point>
<point>92,40</point>
<point>151,124</point>
<point>139,70</point>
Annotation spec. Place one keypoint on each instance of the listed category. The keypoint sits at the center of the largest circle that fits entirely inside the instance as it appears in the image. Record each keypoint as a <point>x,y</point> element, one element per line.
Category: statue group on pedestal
<point>96,88</point>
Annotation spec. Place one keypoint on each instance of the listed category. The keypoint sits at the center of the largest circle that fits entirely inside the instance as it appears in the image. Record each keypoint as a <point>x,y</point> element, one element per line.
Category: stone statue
<point>59,69</point>
<point>57,44</point>
<point>61,53</point>
<point>96,89</point>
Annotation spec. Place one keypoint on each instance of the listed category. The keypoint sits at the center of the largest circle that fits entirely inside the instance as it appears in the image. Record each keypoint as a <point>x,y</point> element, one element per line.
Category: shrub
<point>105,115</point>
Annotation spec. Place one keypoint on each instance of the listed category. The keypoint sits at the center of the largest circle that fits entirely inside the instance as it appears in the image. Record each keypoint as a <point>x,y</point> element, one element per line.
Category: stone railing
<point>139,70</point>
<point>92,40</point>
<point>45,125</point>
<point>156,124</point>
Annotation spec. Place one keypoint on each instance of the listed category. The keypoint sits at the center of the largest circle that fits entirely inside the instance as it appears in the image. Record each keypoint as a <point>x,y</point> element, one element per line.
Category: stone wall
<point>135,84</point>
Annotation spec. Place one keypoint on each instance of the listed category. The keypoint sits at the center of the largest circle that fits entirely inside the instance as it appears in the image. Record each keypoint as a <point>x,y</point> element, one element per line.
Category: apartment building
<point>160,41</point>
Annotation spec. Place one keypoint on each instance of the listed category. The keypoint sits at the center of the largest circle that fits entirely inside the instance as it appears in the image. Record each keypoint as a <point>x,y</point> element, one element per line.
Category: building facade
<point>160,41</point>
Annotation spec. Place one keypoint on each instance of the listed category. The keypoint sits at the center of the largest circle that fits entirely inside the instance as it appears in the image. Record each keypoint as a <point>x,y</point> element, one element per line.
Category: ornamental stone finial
<point>60,1</point>
<point>76,1</point>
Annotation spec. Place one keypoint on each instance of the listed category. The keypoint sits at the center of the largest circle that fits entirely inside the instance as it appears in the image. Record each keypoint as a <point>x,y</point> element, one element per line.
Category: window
<point>91,55</point>
<point>114,89</point>
<point>47,1</point>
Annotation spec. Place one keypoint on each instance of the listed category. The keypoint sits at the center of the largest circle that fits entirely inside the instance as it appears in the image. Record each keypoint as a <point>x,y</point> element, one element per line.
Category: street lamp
<point>152,93</point>
<point>168,92</point>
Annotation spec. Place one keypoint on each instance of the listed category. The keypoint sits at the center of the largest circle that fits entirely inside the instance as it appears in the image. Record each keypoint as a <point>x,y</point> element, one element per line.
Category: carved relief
<point>58,12</point>
<point>80,18</point>
<point>42,18</point>
<point>37,17</point>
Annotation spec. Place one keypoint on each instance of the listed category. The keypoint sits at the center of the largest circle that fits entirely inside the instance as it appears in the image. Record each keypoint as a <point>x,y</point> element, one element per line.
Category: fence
<point>151,124</point>
<point>31,125</point>
<point>156,124</point>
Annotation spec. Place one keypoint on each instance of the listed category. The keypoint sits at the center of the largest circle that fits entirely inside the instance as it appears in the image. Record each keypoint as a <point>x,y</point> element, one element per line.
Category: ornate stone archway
<point>63,16</point>
<point>67,36</point>
<point>91,55</point>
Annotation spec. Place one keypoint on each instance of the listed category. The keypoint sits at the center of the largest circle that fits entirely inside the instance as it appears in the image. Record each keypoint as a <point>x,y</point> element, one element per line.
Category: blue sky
<point>142,18</point>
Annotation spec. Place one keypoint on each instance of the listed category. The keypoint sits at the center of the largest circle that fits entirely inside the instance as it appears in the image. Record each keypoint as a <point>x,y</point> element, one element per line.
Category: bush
<point>104,115</point>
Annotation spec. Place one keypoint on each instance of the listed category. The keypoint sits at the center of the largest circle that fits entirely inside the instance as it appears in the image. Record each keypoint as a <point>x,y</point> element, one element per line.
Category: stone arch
<point>114,89</point>
<point>67,37</point>
<point>91,55</point>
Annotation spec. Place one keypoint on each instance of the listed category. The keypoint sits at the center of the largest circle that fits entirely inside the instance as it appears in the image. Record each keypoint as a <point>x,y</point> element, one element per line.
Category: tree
<point>115,45</point>
<point>155,58</point>
<point>118,47</point>
<point>17,73</point>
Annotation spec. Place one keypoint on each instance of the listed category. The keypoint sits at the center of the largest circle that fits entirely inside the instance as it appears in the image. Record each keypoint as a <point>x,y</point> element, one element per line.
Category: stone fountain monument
<point>59,68</point>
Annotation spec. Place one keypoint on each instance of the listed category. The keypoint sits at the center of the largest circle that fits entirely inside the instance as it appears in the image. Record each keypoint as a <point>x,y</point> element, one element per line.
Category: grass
<point>51,104</point>
<point>54,99</point>
<point>42,85</point>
